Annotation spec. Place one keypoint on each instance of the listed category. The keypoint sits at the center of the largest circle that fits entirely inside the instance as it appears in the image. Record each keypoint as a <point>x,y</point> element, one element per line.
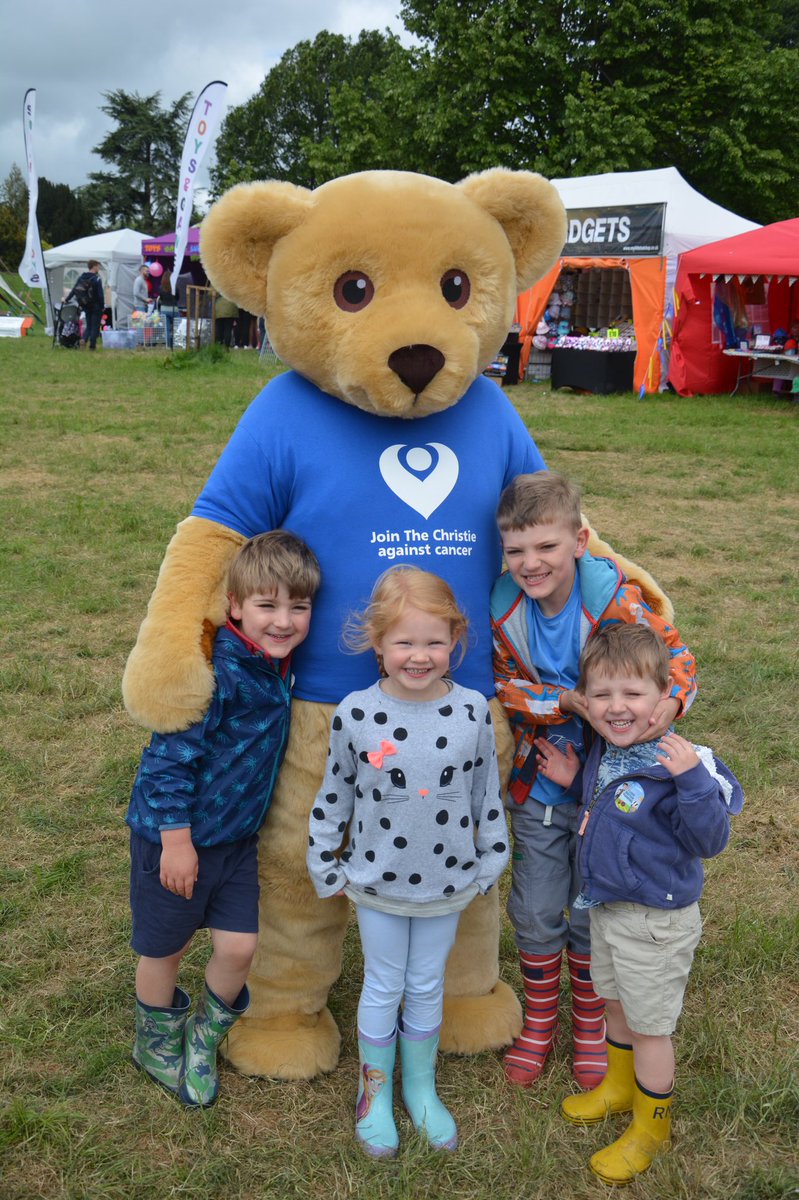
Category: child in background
<point>555,596</point>
<point>653,808</point>
<point>413,772</point>
<point>198,801</point>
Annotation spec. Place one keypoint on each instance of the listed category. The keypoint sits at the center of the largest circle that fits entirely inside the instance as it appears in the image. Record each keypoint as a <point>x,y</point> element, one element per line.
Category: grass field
<point>102,455</point>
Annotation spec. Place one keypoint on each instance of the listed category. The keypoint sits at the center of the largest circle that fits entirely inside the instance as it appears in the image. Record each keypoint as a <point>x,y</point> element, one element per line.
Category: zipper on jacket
<point>618,779</point>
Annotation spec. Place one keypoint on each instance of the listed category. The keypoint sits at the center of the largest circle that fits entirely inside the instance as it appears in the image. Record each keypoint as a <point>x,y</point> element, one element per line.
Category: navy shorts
<point>225,896</point>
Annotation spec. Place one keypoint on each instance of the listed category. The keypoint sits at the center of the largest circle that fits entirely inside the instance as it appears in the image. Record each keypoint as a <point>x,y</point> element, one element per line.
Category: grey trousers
<point>545,880</point>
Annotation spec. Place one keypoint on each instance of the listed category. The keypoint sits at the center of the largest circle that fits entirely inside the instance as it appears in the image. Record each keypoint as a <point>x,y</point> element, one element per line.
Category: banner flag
<point>32,266</point>
<point>31,269</point>
<point>199,135</point>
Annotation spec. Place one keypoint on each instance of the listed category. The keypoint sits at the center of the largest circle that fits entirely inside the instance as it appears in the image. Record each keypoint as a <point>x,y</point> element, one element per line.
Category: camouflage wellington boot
<point>158,1049</point>
<point>210,1024</point>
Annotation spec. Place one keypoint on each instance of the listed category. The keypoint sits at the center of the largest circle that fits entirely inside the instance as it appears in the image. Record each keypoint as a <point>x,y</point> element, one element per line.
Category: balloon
<point>156,269</point>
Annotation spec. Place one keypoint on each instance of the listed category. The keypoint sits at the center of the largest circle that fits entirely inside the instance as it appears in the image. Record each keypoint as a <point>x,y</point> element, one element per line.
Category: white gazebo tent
<point>119,256</point>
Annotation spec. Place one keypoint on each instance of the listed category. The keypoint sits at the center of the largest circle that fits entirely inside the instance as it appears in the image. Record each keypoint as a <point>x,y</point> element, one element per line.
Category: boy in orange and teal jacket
<point>552,599</point>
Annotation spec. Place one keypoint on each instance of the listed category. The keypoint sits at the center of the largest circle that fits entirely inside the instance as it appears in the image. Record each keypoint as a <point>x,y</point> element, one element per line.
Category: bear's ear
<point>240,232</point>
<point>531,213</point>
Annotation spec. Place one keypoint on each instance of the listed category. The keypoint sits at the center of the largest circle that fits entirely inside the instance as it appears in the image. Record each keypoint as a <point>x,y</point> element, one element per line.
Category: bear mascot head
<point>387,294</point>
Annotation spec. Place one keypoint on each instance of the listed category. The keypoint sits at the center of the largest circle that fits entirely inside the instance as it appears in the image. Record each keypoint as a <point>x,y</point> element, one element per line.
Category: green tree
<point>13,217</point>
<point>324,109</point>
<point>573,88</point>
<point>145,147</point>
<point>14,194</point>
<point>62,213</point>
<point>12,238</point>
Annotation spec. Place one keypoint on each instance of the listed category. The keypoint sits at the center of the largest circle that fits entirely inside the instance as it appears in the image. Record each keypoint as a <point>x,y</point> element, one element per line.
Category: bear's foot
<point>289,1046</point>
<point>475,1023</point>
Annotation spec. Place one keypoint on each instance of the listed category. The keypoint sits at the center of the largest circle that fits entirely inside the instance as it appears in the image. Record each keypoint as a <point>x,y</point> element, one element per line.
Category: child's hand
<point>676,754</point>
<point>179,864</point>
<point>555,765</point>
<point>573,702</point>
<point>663,715</point>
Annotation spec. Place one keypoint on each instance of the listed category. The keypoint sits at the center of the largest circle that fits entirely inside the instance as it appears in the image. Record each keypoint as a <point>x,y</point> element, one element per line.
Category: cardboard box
<point>120,339</point>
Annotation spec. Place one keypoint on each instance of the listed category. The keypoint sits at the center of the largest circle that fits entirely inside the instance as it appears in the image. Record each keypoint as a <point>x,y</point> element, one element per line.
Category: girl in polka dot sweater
<point>412,774</point>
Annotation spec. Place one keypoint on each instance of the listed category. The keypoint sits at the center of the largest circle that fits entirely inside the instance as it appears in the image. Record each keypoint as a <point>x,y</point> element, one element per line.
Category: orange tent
<point>595,206</point>
<point>648,287</point>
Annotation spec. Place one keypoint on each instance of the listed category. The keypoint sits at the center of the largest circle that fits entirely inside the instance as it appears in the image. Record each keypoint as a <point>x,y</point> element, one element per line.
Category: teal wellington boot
<point>374,1108</point>
<point>158,1049</point>
<point>430,1117</point>
<point>199,1083</point>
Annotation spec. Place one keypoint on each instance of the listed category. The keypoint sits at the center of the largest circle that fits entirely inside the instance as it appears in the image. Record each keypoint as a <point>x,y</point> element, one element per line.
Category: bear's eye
<point>353,290</point>
<point>455,287</point>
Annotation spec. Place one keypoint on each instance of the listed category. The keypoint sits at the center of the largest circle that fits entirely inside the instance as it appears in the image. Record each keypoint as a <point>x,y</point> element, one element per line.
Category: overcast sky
<point>72,51</point>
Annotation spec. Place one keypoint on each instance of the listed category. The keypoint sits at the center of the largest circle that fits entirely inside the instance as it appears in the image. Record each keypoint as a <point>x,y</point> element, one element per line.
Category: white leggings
<point>403,957</point>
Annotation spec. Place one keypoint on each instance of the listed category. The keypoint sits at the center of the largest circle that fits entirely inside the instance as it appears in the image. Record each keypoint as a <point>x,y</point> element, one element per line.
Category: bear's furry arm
<point>651,591</point>
<point>168,681</point>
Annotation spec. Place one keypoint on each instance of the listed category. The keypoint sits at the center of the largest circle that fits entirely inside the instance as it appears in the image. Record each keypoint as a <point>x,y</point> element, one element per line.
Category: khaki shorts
<point>642,957</point>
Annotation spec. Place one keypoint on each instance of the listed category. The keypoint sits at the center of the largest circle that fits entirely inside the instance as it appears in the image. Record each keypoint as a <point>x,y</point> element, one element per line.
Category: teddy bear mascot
<point>387,293</point>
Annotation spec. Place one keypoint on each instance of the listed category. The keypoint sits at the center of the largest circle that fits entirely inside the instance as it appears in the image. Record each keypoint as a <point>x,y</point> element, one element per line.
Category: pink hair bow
<point>376,756</point>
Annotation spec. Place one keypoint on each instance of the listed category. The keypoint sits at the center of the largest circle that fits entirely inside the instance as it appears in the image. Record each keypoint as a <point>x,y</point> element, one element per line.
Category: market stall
<point>162,250</point>
<point>737,295</point>
<point>609,292</point>
<point>119,256</point>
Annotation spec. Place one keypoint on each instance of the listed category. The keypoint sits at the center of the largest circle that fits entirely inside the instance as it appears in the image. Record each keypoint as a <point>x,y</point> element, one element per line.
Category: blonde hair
<point>397,590</point>
<point>537,499</point>
<point>618,648</point>
<point>271,559</point>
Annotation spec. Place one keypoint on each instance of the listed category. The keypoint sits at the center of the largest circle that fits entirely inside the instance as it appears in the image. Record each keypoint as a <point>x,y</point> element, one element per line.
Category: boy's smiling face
<point>542,560</point>
<point>277,622</point>
<point>620,705</point>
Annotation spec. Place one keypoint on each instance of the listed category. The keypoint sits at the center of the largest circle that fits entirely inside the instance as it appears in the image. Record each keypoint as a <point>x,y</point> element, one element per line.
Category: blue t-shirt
<point>366,493</point>
<point>555,652</point>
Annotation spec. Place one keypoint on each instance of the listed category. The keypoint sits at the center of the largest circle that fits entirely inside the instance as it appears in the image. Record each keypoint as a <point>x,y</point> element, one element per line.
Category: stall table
<point>599,371</point>
<point>763,364</point>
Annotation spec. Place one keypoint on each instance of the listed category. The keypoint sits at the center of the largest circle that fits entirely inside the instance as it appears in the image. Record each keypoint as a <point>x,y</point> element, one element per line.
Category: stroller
<point>67,326</point>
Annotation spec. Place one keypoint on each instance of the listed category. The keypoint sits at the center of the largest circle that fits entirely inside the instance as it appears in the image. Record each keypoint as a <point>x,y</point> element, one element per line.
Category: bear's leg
<point>481,1012</point>
<point>288,1032</point>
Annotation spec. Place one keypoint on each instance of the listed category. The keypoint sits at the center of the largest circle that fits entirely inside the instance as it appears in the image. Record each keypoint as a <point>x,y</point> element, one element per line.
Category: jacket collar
<point>281,665</point>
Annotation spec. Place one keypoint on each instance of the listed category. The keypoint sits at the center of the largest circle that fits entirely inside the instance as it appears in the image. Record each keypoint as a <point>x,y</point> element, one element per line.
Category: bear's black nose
<point>416,366</point>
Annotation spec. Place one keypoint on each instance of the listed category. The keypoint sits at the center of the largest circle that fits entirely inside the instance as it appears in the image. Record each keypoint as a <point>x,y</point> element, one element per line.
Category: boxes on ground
<point>120,339</point>
<point>539,366</point>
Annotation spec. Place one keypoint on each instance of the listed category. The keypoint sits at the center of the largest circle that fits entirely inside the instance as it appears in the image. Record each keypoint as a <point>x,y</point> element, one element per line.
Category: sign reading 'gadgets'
<point>634,230</point>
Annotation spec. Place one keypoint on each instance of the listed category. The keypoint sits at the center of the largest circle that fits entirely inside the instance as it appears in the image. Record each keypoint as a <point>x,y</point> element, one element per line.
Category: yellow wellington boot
<point>613,1095</point>
<point>648,1135</point>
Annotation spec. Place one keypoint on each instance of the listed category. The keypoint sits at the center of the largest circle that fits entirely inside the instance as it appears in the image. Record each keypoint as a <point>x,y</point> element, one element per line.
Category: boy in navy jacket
<point>652,810</point>
<point>199,798</point>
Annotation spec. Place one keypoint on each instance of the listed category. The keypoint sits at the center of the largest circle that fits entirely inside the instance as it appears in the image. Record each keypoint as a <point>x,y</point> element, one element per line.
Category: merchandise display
<point>588,309</point>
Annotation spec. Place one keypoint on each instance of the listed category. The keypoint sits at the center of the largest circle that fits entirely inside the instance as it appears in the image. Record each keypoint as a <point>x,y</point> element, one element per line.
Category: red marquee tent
<point>771,253</point>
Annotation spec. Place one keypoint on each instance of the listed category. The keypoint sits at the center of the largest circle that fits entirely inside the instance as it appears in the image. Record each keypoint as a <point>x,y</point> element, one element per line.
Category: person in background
<point>141,293</point>
<point>167,303</point>
<point>88,292</point>
<point>226,313</point>
<point>182,283</point>
<point>246,330</point>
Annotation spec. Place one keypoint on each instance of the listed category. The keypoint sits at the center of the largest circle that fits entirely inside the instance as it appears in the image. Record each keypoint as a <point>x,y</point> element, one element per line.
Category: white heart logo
<point>422,476</point>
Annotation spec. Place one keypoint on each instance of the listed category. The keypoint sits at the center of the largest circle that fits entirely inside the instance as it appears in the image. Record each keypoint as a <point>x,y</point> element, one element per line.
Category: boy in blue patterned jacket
<point>652,810</point>
<point>199,798</point>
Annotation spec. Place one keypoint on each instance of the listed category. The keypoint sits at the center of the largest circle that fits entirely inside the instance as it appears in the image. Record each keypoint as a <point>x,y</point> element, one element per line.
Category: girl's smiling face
<point>415,653</point>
